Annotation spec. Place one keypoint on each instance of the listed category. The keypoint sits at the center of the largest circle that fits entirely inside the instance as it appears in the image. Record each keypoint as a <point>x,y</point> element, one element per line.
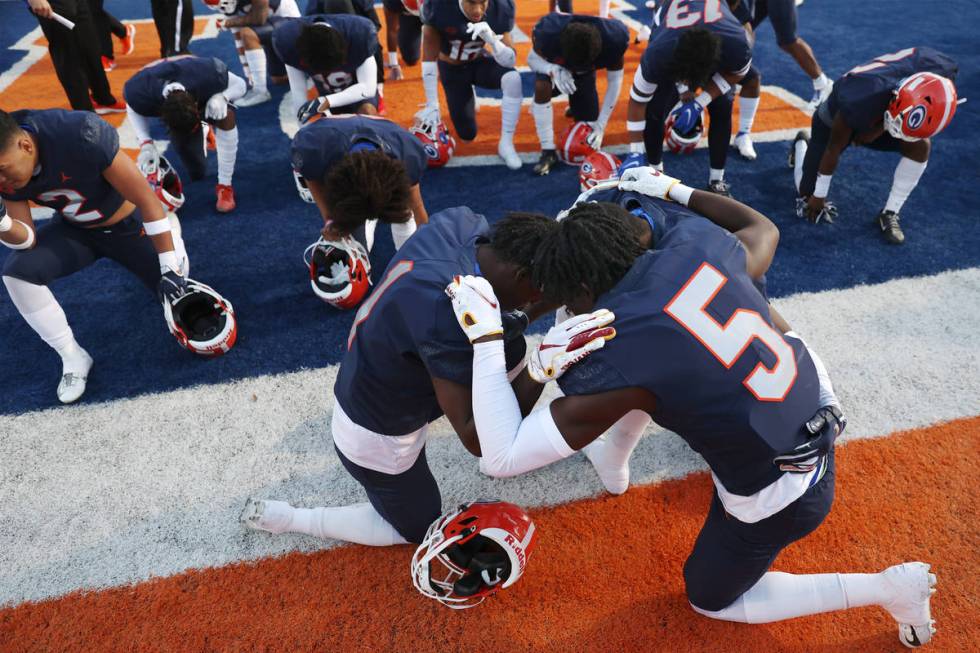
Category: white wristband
<point>27,244</point>
<point>704,99</point>
<point>156,227</point>
<point>6,224</point>
<point>721,83</point>
<point>822,187</point>
<point>392,59</point>
<point>680,193</point>
<point>636,125</point>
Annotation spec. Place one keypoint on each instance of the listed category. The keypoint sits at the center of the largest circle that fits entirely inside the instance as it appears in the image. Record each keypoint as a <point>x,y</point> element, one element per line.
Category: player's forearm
<point>418,206</point>
<point>365,88</point>
<point>391,31</point>
<point>297,87</point>
<point>636,120</point>
<point>614,84</point>
<point>757,233</point>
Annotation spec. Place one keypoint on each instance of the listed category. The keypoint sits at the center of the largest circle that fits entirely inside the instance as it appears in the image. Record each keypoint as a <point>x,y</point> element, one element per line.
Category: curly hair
<point>580,44</point>
<point>321,47</point>
<point>696,57</point>
<point>179,113</point>
<point>367,185</point>
<point>592,248</point>
<point>8,129</point>
<point>516,238</point>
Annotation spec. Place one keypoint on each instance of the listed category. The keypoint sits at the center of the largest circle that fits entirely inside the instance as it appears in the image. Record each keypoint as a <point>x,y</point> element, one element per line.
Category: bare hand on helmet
<point>569,342</point>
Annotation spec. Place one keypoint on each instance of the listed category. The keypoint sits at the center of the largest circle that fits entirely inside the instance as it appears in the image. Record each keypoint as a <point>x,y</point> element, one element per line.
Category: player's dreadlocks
<point>580,44</point>
<point>592,249</point>
<point>364,186</point>
<point>695,57</point>
<point>8,129</point>
<point>179,113</point>
<point>321,47</point>
<point>516,238</point>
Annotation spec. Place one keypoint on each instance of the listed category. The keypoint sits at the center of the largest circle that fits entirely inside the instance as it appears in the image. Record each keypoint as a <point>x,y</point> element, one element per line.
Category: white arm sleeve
<point>510,445</point>
<point>503,53</point>
<point>642,89</point>
<point>430,82</point>
<point>365,88</point>
<point>539,64</point>
<point>297,87</point>
<point>140,123</point>
<point>614,83</point>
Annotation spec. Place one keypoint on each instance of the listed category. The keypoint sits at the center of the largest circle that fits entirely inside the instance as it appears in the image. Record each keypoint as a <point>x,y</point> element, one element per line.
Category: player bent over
<point>70,161</point>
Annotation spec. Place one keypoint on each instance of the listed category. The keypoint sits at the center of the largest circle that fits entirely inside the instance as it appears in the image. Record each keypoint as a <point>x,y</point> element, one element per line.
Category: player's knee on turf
<point>704,594</point>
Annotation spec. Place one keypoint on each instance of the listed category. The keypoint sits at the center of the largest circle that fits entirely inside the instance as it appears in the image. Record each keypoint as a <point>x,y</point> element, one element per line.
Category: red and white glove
<point>569,342</point>
<point>476,307</point>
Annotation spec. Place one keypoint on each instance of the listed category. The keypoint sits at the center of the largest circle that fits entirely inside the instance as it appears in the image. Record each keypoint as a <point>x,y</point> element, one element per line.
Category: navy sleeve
<point>310,149</point>
<point>362,41</point>
<point>99,142</point>
<point>140,92</point>
<point>545,36</point>
<point>741,11</point>
<point>506,15</point>
<point>444,349</point>
<point>615,42</point>
<point>653,65</point>
<point>736,53</point>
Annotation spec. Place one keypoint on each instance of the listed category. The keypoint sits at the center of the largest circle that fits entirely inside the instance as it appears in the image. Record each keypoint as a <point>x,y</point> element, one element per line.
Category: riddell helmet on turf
<point>201,320</point>
<point>413,7</point>
<point>224,6</point>
<point>340,271</point>
<point>923,105</point>
<point>572,146</point>
<point>598,166</point>
<point>682,143</point>
<point>439,147</point>
<point>166,184</point>
<point>472,553</point>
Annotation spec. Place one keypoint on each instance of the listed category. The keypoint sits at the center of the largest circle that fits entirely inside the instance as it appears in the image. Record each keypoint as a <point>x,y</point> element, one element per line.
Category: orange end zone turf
<point>606,576</point>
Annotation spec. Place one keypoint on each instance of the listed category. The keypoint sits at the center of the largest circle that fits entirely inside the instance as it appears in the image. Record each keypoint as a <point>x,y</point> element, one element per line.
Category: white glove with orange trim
<point>476,307</point>
<point>648,181</point>
<point>569,342</point>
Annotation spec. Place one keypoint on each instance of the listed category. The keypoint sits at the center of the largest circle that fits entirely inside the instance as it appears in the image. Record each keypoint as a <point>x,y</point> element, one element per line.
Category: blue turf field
<point>254,255</point>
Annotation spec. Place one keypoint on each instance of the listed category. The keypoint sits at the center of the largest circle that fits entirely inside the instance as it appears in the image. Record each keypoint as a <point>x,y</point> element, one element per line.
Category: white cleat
<point>744,145</point>
<point>253,97</point>
<point>820,96</point>
<point>507,152</point>
<point>617,480</point>
<point>267,515</point>
<point>73,379</point>
<point>913,586</point>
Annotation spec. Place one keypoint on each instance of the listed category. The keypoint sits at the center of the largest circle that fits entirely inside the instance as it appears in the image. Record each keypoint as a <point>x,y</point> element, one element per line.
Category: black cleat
<point>719,187</point>
<point>800,136</point>
<point>548,160</point>
<point>887,221</point>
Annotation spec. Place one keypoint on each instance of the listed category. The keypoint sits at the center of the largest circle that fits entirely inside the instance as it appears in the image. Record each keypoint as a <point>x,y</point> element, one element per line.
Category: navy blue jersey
<point>614,34</point>
<point>362,44</point>
<point>448,18</point>
<point>243,7</point>
<point>862,94</point>
<point>692,329</point>
<point>405,332</point>
<point>74,148</point>
<point>396,6</point>
<point>678,16</point>
<point>202,77</point>
<point>364,8</point>
<point>317,147</point>
<point>742,10</point>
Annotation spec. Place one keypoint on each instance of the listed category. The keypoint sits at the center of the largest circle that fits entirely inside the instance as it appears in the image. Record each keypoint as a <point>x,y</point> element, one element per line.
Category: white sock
<point>227,142</point>
<point>44,314</point>
<point>603,8</point>
<point>779,596</point>
<point>747,106</point>
<point>240,48</point>
<point>610,456</point>
<point>544,124</point>
<point>714,174</point>
<point>799,154</point>
<point>907,175</point>
<point>819,83</point>
<point>359,523</point>
<point>257,65</point>
<point>402,231</point>
<point>510,104</point>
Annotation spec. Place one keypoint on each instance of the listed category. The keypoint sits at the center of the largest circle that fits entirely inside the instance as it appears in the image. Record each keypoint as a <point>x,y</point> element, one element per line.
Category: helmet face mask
<point>302,187</point>
<point>340,271</point>
<point>201,320</point>
<point>572,144</point>
<point>166,185</point>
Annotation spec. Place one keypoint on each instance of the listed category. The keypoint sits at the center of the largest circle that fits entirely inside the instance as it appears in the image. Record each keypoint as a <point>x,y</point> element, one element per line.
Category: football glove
<point>148,160</point>
<point>562,79</point>
<point>308,109</point>
<point>481,30</point>
<point>686,117</point>
<point>476,307</point>
<point>827,213</point>
<point>428,118</point>
<point>172,285</point>
<point>647,181</point>
<point>594,139</point>
<point>569,342</point>
<point>395,73</point>
<point>216,108</point>
<point>824,427</point>
<point>634,160</point>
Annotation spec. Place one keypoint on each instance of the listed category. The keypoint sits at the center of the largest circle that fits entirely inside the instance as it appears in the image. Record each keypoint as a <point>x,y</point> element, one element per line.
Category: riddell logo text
<point>514,544</point>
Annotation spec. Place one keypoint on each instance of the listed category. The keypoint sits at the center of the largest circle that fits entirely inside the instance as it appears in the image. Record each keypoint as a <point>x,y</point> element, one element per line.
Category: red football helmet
<point>201,320</point>
<point>439,147</point>
<point>224,6</point>
<point>598,166</point>
<point>413,7</point>
<point>482,547</point>
<point>923,106</point>
<point>682,143</point>
<point>165,182</point>
<point>572,146</point>
<point>340,271</point>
